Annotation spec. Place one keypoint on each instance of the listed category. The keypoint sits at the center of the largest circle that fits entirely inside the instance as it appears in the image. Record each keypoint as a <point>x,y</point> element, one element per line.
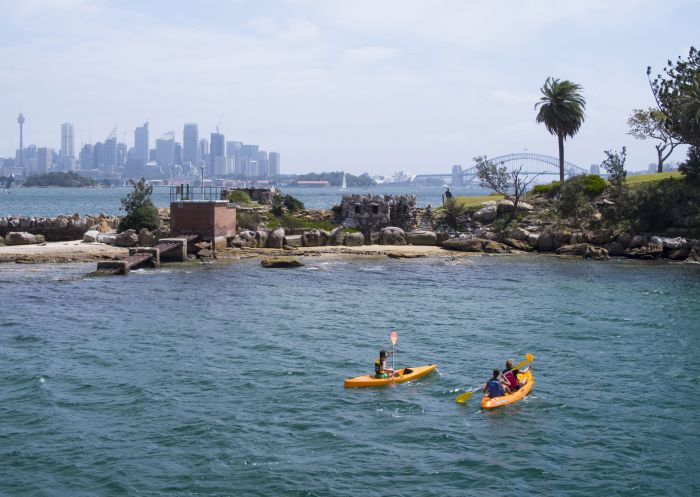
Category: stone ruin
<point>370,213</point>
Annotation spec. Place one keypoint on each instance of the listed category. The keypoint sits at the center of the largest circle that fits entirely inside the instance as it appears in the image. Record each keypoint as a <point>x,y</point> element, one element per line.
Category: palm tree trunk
<point>561,157</point>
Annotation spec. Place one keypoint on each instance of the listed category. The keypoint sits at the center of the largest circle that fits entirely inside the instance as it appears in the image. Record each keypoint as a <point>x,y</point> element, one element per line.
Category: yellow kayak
<point>510,398</point>
<point>371,381</point>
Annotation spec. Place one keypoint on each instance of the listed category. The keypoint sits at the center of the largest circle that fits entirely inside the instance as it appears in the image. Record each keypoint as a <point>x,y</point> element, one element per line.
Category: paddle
<point>463,397</point>
<point>394,336</point>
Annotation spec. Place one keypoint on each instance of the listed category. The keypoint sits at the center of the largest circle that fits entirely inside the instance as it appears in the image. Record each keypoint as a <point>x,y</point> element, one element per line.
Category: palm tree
<point>562,112</point>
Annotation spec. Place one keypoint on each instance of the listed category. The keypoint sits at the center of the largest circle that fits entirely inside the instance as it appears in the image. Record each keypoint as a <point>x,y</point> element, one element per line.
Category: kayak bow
<point>371,381</point>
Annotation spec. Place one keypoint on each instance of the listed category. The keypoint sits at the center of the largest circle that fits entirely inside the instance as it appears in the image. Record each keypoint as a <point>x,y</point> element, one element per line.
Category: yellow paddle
<point>394,336</point>
<point>463,397</point>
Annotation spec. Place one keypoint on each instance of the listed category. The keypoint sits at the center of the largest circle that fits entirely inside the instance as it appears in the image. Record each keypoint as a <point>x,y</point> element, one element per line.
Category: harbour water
<point>214,380</point>
<point>92,201</point>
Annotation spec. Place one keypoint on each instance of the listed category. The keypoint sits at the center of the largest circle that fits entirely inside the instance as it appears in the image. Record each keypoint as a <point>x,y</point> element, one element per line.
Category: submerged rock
<point>276,262</point>
<point>426,238</point>
<point>464,244</point>
<point>20,238</point>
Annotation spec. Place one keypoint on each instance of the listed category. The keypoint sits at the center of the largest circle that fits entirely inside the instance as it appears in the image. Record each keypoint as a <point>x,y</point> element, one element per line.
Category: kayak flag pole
<point>394,336</point>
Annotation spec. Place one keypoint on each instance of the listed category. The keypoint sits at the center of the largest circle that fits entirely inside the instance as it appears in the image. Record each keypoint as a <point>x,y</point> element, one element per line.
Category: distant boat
<point>344,185</point>
<point>8,185</point>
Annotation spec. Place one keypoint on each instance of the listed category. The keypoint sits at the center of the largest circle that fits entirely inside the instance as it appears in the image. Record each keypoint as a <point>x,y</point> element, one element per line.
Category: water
<point>92,201</point>
<point>214,380</point>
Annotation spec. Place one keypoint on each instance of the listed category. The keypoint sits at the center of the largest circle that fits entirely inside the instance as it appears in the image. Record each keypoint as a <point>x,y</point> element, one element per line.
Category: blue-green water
<point>218,380</point>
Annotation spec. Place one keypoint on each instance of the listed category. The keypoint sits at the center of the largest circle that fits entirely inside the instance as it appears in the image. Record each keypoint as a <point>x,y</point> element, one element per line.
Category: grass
<point>639,179</point>
<point>476,201</point>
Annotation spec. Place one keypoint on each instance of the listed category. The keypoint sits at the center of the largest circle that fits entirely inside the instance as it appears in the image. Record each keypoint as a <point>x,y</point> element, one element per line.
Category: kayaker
<point>494,387</point>
<point>380,369</point>
<point>510,376</point>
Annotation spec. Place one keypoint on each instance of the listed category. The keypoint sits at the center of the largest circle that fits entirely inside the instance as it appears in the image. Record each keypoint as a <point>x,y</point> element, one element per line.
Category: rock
<point>562,237</point>
<point>202,245</point>
<point>292,241</point>
<point>104,227</point>
<point>421,238</point>
<point>505,206</point>
<point>277,262</point>
<point>392,235</point>
<point>146,238</point>
<point>108,238</point>
<point>205,253</point>
<point>679,254</point>
<point>524,207</point>
<point>261,237</point>
<point>534,240</point>
<point>19,238</point>
<point>624,239</point>
<point>518,234</point>
<point>573,249</point>
<point>675,243</point>
<point>40,238</point>
<point>442,236</point>
<point>354,239</point>
<point>492,247</point>
<point>127,238</point>
<point>486,214</point>
<point>311,238</point>
<point>337,236</point>
<point>596,253</point>
<point>249,237</point>
<point>3,222</point>
<point>649,251</point>
<point>577,237</point>
<point>517,244</point>
<point>2,240</point>
<point>403,255</point>
<point>91,236</point>
<point>545,242</point>
<point>276,238</point>
<point>464,244</point>
<point>600,237</point>
<point>615,248</point>
<point>635,242</point>
<point>694,256</point>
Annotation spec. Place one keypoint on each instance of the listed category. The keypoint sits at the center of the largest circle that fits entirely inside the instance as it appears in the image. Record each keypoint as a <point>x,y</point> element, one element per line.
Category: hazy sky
<point>358,85</point>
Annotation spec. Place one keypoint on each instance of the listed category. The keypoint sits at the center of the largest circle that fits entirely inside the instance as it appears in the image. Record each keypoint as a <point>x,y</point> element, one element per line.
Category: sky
<point>357,85</point>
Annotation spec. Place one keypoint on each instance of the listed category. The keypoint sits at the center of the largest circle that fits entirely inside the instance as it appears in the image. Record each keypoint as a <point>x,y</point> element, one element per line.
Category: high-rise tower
<point>67,154</point>
<point>190,144</point>
<point>20,120</point>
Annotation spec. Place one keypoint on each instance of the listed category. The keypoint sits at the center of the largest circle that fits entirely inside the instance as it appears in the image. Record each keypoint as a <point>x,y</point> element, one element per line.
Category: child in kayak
<point>510,376</point>
<point>380,369</point>
<point>494,387</point>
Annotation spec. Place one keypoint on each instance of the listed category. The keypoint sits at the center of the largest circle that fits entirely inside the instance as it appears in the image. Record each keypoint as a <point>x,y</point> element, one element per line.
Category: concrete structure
<point>165,150</point>
<point>67,154</point>
<point>20,121</point>
<point>370,213</point>
<point>109,154</point>
<point>190,144</point>
<point>273,164</point>
<point>44,160</point>
<point>217,148</point>
<point>141,144</point>
<point>213,221</point>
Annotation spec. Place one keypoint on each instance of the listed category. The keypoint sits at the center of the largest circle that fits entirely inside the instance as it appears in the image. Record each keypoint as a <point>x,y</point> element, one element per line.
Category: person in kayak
<point>380,369</point>
<point>510,376</point>
<point>494,387</point>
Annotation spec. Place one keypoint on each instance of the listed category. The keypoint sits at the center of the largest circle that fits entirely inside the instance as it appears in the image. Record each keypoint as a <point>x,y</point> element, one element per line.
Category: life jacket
<point>511,378</point>
<point>378,369</point>
<point>495,388</point>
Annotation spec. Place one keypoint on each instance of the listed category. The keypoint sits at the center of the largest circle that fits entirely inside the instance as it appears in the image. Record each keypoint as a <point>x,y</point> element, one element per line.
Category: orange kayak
<point>371,381</point>
<point>510,398</point>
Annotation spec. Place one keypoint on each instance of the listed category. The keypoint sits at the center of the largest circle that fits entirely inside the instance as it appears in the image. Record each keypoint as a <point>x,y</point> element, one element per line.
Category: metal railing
<point>185,193</point>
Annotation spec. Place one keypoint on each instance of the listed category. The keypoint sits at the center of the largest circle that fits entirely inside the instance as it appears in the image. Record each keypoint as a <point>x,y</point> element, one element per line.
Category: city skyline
<point>355,86</point>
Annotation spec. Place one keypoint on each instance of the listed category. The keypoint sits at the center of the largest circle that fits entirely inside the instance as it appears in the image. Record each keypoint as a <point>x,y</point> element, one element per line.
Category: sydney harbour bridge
<point>533,164</point>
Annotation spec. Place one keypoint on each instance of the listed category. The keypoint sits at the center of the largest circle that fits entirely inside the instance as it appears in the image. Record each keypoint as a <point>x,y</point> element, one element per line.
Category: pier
<point>167,249</point>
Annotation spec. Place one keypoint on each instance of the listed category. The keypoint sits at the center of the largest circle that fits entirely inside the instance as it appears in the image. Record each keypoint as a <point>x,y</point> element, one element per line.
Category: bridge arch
<point>533,164</point>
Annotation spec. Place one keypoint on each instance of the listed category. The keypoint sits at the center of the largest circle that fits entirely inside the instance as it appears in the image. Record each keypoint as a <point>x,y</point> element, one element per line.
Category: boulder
<point>202,245</point>
<point>573,249</point>
<point>562,237</point>
<point>596,253</point>
<point>534,240</point>
<point>3,222</point>
<point>90,236</point>
<point>577,237</point>
<point>492,247</point>
<point>600,237</point>
<point>421,238</point>
<point>679,254</point>
<point>311,238</point>
<point>205,253</point>
<point>505,206</point>
<point>623,239</point>
<point>249,237</point>
<point>694,256</point>
<point>19,238</point>
<point>2,240</point>
<point>292,241</point>
<point>486,214</point>
<point>108,238</point>
<point>261,237</point>
<point>40,238</point>
<point>276,238</point>
<point>517,244</point>
<point>648,251</point>
<point>518,234</point>
<point>127,238</point>
<point>524,207</point>
<point>615,248</point>
<point>354,239</point>
<point>104,227</point>
<point>675,243</point>
<point>277,262</point>
<point>545,242</point>
<point>464,244</point>
<point>337,236</point>
<point>146,238</point>
<point>635,242</point>
<point>392,235</point>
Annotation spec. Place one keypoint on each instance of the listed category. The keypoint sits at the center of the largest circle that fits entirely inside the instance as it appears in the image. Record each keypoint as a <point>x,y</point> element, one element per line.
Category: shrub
<point>453,211</point>
<point>292,204</point>
<point>239,197</point>
<point>551,190</point>
<point>248,220</point>
<point>593,185</point>
<point>142,217</point>
<point>574,201</point>
<point>691,167</point>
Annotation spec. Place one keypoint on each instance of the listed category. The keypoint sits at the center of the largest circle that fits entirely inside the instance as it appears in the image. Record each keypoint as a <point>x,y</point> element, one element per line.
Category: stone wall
<point>60,228</point>
<point>370,213</point>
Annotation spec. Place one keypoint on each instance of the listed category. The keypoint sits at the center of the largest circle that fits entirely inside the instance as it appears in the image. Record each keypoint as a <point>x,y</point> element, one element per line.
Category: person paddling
<point>510,376</point>
<point>380,369</point>
<point>494,387</point>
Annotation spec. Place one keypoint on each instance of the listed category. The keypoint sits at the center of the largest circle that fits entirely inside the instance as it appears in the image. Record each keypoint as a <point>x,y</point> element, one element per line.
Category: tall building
<point>20,121</point>
<point>165,150</point>
<point>203,153</point>
<point>109,154</point>
<point>262,164</point>
<point>86,157</point>
<point>457,177</point>
<point>141,144</point>
<point>217,148</point>
<point>249,160</point>
<point>190,144</point>
<point>44,160</point>
<point>97,155</point>
<point>67,154</point>
<point>273,164</point>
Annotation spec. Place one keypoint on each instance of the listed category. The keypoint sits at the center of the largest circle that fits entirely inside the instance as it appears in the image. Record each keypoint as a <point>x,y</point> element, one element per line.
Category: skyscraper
<point>165,150</point>
<point>216,149</point>
<point>262,164</point>
<point>190,144</point>
<point>20,121</point>
<point>44,160</point>
<point>109,153</point>
<point>67,154</point>
<point>86,157</point>
<point>273,164</point>
<point>141,144</point>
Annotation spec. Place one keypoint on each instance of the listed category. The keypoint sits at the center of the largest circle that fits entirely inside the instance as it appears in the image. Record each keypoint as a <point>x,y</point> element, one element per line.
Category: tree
<point>140,211</point>
<point>453,213</point>
<point>140,197</point>
<point>574,202</point>
<point>691,167</point>
<point>677,93</point>
<point>500,180</point>
<point>651,123</point>
<point>614,164</point>
<point>562,112</point>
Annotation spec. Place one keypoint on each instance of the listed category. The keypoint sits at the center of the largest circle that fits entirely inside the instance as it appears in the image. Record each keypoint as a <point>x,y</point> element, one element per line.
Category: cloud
<point>370,54</point>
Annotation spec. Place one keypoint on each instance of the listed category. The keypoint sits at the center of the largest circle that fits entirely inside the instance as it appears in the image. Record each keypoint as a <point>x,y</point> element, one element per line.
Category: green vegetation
<point>639,179</point>
<point>691,167</point>
<point>550,190</point>
<point>562,112</point>
<point>453,213</point>
<point>281,202</point>
<point>293,222</point>
<point>650,123</point>
<point>239,197</point>
<point>575,196</point>
<point>140,211</point>
<point>473,202</point>
<point>335,178</point>
<point>69,179</point>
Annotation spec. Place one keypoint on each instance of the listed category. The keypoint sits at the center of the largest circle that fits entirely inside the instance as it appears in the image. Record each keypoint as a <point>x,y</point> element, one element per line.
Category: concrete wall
<point>213,221</point>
